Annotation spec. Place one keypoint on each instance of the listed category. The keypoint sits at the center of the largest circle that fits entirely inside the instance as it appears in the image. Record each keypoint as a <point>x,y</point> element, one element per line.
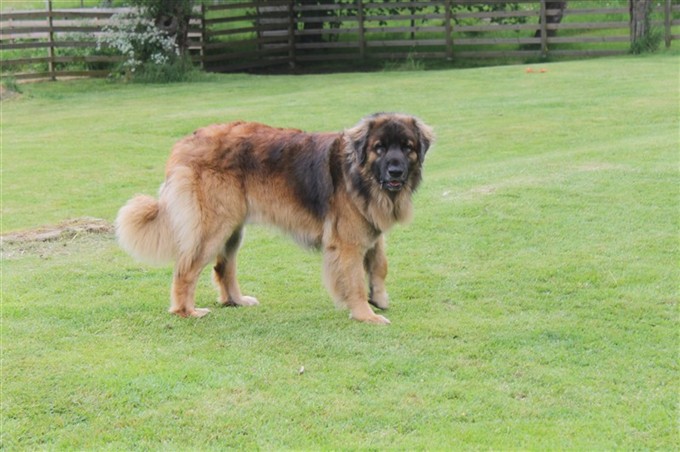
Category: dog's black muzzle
<point>395,171</point>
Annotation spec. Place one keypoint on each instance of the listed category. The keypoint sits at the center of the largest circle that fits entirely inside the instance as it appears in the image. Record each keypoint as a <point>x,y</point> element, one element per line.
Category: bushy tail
<point>144,231</point>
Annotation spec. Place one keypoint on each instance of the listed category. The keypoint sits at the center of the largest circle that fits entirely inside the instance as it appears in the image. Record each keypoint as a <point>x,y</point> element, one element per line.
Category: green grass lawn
<point>534,296</point>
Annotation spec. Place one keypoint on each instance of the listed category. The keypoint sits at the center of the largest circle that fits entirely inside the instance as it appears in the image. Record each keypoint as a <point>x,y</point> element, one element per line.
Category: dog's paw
<point>248,301</point>
<point>373,318</point>
<point>380,301</point>
<point>199,312</point>
<point>243,301</point>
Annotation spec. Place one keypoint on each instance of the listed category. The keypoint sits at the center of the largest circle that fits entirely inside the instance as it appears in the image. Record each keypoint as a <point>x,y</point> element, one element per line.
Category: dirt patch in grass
<point>66,238</point>
<point>66,230</point>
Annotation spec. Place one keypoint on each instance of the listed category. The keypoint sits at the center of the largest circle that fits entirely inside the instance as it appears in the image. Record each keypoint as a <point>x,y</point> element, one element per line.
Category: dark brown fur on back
<point>336,191</point>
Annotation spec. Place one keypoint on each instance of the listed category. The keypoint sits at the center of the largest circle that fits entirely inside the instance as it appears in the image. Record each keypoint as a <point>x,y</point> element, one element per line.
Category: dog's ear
<point>357,138</point>
<point>425,137</point>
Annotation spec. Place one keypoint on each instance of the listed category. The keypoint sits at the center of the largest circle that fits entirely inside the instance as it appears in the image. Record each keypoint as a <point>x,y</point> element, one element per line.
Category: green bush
<point>151,55</point>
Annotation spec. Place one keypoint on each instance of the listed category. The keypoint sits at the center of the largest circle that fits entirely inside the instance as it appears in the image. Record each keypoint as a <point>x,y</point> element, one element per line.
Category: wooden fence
<point>246,35</point>
<point>42,43</point>
<point>243,35</point>
<point>51,43</point>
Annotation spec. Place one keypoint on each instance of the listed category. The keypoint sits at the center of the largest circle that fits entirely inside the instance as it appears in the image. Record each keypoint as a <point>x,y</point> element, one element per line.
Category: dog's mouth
<point>392,185</point>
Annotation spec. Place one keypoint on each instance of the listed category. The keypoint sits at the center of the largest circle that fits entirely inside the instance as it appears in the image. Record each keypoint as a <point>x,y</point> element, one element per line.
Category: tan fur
<point>143,233</point>
<point>226,175</point>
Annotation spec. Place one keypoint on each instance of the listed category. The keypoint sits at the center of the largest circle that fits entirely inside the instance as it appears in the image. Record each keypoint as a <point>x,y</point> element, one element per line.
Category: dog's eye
<point>379,148</point>
<point>408,148</point>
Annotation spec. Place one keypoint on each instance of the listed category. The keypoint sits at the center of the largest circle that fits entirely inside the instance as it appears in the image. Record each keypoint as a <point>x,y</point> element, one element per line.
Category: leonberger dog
<point>339,192</point>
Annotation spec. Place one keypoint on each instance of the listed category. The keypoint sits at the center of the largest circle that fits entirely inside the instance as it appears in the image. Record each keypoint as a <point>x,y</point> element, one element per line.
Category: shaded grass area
<point>534,295</point>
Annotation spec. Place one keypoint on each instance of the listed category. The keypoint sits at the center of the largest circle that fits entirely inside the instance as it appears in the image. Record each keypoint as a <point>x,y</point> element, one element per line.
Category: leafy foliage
<point>147,49</point>
<point>171,16</point>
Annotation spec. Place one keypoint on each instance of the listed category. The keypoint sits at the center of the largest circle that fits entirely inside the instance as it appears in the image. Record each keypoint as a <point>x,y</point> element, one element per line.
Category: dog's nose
<point>395,171</point>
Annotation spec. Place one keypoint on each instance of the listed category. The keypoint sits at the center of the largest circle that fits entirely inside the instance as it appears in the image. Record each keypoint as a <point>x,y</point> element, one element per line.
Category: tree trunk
<point>553,18</point>
<point>175,23</point>
<point>639,20</point>
<point>316,28</point>
<point>171,17</point>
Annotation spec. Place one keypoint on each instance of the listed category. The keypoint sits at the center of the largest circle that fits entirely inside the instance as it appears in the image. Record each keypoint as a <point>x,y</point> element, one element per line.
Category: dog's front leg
<point>375,263</point>
<point>345,278</point>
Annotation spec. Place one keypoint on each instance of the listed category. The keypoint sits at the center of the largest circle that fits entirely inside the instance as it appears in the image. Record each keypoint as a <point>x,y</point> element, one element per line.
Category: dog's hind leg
<point>184,282</point>
<point>224,273</point>
<point>188,269</point>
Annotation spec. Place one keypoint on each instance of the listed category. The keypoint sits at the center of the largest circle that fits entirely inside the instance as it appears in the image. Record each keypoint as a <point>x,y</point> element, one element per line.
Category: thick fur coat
<point>339,192</point>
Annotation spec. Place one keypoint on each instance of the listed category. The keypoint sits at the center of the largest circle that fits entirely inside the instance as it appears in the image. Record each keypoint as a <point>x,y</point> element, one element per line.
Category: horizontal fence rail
<point>249,35</point>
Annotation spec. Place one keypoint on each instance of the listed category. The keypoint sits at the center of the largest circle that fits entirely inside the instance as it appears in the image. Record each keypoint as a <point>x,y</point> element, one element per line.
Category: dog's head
<point>391,148</point>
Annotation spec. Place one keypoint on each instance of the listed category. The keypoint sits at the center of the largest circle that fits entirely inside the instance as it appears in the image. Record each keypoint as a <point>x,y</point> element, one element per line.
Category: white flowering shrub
<point>135,36</point>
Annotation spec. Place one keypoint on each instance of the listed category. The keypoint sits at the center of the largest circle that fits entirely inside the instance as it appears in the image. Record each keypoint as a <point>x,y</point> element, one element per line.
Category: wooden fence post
<point>362,36</point>
<point>449,30</point>
<point>667,18</point>
<point>204,37</point>
<point>291,34</point>
<point>544,30</point>
<point>50,36</point>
